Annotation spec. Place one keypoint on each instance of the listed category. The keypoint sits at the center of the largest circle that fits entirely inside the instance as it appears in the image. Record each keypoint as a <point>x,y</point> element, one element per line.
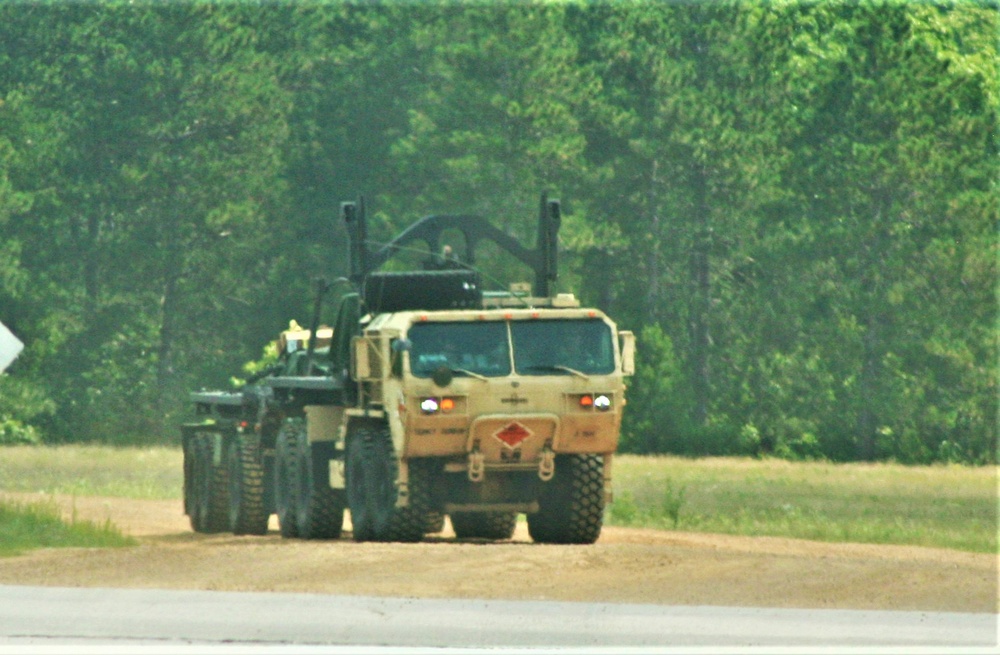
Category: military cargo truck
<point>426,397</point>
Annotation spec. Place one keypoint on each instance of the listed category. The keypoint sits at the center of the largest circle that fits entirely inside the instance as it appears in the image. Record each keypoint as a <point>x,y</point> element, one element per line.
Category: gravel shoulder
<point>624,566</point>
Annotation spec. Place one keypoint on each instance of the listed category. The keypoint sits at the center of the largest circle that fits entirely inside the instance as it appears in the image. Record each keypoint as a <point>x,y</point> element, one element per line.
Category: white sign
<point>10,347</point>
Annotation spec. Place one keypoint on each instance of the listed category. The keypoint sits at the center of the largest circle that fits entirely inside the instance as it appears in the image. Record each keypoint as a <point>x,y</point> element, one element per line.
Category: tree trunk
<point>164,360</point>
<point>871,372</point>
<point>701,295</point>
<point>653,272</point>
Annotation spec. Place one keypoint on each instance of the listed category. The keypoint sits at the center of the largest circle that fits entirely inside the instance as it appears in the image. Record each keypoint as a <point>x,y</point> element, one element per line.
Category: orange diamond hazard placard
<point>513,434</point>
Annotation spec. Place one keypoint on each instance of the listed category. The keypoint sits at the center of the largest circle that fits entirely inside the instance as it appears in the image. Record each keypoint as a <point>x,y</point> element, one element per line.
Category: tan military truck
<point>428,397</point>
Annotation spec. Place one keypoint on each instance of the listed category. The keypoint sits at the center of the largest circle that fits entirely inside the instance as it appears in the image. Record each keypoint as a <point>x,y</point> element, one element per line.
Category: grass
<point>24,526</point>
<point>78,470</point>
<point>938,506</point>
<point>88,470</point>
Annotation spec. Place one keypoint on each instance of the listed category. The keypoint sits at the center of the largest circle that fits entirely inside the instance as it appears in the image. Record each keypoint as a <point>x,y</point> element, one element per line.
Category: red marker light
<point>447,404</point>
<point>586,401</point>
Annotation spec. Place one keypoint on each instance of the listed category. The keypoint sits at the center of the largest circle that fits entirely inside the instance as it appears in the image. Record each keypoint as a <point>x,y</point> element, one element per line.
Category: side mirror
<point>361,362</point>
<point>627,340</point>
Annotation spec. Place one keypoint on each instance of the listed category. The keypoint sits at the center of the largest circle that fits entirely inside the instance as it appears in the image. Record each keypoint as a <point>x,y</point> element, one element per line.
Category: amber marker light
<point>447,404</point>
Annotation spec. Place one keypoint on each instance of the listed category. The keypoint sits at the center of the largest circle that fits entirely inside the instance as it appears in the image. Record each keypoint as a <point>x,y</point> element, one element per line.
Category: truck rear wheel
<point>571,506</point>
<point>320,509</point>
<point>371,489</point>
<point>246,487</point>
<point>484,525</point>
<point>286,478</point>
<point>209,501</point>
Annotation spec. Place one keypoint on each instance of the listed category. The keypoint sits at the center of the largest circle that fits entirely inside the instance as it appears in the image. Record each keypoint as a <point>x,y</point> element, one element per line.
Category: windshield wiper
<point>558,367</point>
<point>470,374</point>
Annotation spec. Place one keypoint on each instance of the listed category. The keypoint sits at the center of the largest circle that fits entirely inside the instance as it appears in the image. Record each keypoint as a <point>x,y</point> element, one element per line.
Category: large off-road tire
<point>247,514</point>
<point>484,525</point>
<point>189,482</point>
<point>571,506</point>
<point>319,508</point>
<point>433,522</point>
<point>286,477</point>
<point>209,497</point>
<point>424,478</point>
<point>371,473</point>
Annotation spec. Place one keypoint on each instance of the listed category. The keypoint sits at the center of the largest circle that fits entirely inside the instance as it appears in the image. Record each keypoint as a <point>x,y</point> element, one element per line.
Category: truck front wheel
<point>371,473</point>
<point>571,505</point>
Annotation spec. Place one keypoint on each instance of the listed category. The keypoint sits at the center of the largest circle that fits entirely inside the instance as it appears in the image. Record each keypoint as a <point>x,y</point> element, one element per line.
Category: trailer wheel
<point>320,509</point>
<point>571,506</point>
<point>286,478</point>
<point>484,525</point>
<point>371,489</point>
<point>189,482</point>
<point>209,502</point>
<point>246,487</point>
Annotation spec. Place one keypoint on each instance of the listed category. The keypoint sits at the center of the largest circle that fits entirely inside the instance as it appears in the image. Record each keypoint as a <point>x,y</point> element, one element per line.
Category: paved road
<point>206,620</point>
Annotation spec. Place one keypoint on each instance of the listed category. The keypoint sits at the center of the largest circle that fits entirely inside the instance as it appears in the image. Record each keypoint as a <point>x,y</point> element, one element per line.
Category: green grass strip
<point>25,526</point>
<point>942,506</point>
<point>945,506</point>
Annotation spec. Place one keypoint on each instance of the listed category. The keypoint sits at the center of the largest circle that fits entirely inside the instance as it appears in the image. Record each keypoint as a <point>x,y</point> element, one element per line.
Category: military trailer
<point>427,397</point>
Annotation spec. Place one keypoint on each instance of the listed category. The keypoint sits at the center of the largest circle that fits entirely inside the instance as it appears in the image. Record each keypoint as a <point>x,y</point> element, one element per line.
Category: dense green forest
<point>794,205</point>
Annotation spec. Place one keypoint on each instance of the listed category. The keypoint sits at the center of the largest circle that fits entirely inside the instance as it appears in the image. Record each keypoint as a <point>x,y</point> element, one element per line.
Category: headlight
<point>434,405</point>
<point>599,401</point>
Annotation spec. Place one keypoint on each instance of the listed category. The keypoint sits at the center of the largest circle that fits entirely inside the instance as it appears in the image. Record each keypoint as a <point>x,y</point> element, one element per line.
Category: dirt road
<point>625,565</point>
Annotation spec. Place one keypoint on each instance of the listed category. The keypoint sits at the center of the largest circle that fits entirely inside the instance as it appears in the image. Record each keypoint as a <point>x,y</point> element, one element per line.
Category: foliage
<point>13,432</point>
<point>660,424</point>
<point>794,205</point>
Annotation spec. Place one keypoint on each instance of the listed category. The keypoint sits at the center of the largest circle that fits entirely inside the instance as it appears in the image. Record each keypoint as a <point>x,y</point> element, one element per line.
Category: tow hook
<point>477,465</point>
<point>547,464</point>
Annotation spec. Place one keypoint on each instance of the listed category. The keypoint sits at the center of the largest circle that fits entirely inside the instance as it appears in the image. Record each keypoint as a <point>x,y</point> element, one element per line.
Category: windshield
<point>545,347</point>
<point>541,347</point>
<point>481,348</point>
